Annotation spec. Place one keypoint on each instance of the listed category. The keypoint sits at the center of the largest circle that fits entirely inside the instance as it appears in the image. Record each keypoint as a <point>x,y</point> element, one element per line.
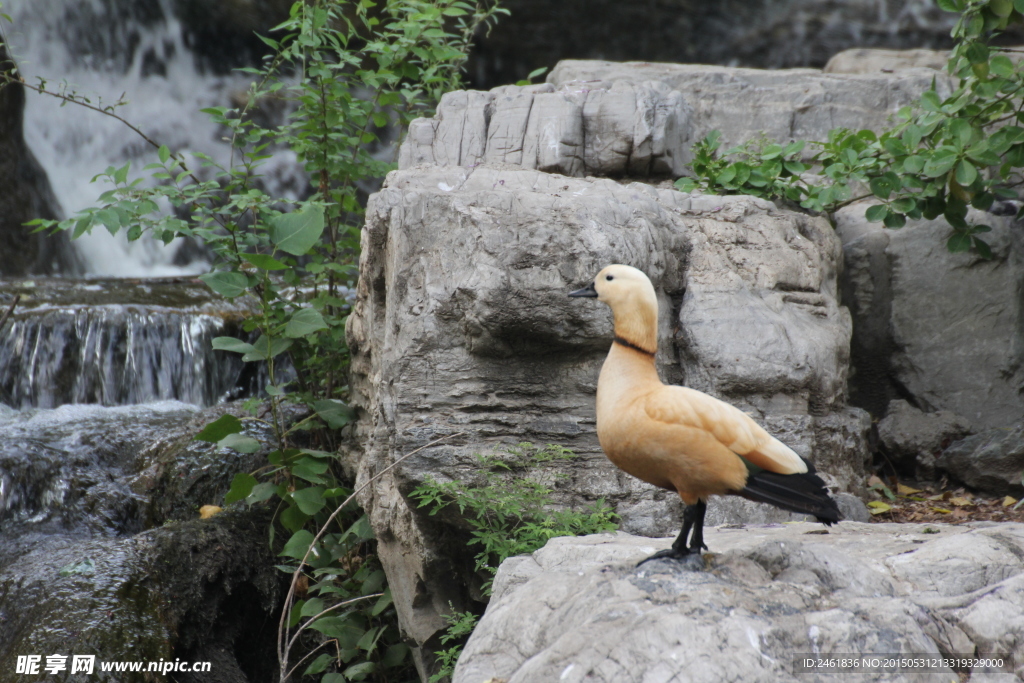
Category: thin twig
<point>302,628</point>
<point>282,629</point>
<point>10,310</point>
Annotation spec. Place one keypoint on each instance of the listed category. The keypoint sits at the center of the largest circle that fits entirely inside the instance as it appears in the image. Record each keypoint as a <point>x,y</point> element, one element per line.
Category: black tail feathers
<point>803,493</point>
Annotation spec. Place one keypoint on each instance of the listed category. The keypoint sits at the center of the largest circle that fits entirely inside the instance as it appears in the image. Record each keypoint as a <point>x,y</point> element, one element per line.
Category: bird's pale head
<point>619,285</point>
<point>631,297</point>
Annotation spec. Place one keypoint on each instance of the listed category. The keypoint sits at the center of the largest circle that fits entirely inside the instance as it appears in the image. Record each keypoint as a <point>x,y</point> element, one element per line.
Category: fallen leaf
<point>906,490</point>
<point>878,507</point>
<point>942,510</point>
<point>208,511</point>
<point>1008,501</point>
<point>873,480</point>
<point>960,501</point>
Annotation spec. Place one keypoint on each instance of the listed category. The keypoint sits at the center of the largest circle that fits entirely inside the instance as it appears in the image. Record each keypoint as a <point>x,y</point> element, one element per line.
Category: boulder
<point>944,331</point>
<point>913,438</point>
<point>784,105</point>
<point>580,609</point>
<point>487,348</point>
<point>26,195</point>
<point>991,462</point>
<point>624,128</point>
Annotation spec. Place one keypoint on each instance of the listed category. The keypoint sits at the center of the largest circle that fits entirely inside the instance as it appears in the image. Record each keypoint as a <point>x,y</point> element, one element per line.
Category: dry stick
<point>283,645</point>
<point>10,310</point>
<point>314,618</point>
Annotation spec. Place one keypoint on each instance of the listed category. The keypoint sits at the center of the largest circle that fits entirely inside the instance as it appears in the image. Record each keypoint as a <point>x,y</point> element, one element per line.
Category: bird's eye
<point>609,277</point>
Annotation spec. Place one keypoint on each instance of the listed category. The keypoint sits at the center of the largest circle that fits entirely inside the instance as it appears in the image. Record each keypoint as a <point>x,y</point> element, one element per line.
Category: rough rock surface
<point>992,461</point>
<point>785,105</point>
<point>462,324</point>
<point>913,438</point>
<point>580,610</point>
<point>26,195</point>
<point>945,331</point>
<point>639,119</point>
<point>610,129</point>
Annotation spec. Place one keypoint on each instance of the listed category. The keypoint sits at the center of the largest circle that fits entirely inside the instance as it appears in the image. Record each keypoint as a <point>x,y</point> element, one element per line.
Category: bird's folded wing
<point>729,425</point>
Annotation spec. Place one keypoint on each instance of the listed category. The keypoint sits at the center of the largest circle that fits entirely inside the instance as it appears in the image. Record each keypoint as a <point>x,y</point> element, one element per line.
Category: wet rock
<point>489,345</point>
<point>579,608</point>
<point>991,461</point>
<point>913,438</point>
<point>941,330</point>
<point>194,591</point>
<point>26,195</point>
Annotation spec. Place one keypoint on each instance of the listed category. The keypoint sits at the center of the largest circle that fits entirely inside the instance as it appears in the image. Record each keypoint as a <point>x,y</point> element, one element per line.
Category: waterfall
<point>119,342</point>
<point>106,49</point>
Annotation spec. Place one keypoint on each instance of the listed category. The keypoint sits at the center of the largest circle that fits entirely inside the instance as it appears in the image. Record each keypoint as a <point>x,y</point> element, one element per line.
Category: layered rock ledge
<point>580,610</point>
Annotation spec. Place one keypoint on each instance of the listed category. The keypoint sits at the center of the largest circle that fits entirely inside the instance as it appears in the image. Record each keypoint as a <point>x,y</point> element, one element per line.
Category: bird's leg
<point>693,518</point>
<point>697,538</point>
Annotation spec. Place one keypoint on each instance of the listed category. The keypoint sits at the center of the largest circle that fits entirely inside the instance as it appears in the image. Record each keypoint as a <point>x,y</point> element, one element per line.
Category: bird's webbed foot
<point>688,558</point>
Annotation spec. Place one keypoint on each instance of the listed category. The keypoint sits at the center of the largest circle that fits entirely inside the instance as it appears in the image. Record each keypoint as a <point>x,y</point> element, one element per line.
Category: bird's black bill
<point>587,291</point>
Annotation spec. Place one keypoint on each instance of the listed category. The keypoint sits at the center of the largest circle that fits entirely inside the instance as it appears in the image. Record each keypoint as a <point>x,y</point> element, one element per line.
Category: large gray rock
<point>913,438</point>
<point>623,128</point>
<point>784,105</point>
<point>580,610</point>
<point>945,331</point>
<point>462,324</point>
<point>992,461</point>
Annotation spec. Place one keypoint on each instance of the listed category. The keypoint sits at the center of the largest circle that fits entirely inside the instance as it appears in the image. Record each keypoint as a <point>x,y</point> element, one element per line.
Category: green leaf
<point>310,500</point>
<point>876,213</point>
<point>395,655</point>
<point>983,248</point>
<point>335,413</point>
<point>959,242</point>
<point>304,322</point>
<point>231,344</point>
<point>297,232</point>
<point>219,428</point>
<point>966,173</point>
<point>164,153</point>
<point>264,262</point>
<point>894,220</point>
<point>309,469</point>
<point>262,492</point>
<point>240,443</point>
<point>312,607</point>
<point>241,486</point>
<point>940,163</point>
<point>361,670</point>
<point>293,518</point>
<point>913,164</point>
<point>382,603</point>
<point>228,284</point>
<point>298,544</point>
<point>1018,5</point>
<point>1001,8</point>
<point>319,664</point>
<point>260,350</point>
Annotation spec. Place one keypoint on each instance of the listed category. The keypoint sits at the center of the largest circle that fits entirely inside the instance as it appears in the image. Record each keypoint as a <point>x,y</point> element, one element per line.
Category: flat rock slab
<point>580,610</point>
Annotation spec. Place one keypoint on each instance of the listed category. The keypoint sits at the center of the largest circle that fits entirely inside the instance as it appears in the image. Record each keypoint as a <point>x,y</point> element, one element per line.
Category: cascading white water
<point>104,49</point>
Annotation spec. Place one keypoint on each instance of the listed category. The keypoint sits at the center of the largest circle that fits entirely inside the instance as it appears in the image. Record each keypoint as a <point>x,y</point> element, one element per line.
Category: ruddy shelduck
<point>681,439</point>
